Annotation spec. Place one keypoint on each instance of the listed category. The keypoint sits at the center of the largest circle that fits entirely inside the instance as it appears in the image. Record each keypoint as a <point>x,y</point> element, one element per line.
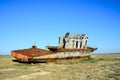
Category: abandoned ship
<point>70,47</point>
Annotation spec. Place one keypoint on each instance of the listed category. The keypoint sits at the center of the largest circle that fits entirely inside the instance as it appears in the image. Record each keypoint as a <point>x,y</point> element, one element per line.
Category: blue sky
<point>25,22</point>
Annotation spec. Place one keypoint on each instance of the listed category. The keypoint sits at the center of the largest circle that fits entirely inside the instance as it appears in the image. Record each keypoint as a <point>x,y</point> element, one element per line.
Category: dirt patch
<point>7,70</point>
<point>32,75</point>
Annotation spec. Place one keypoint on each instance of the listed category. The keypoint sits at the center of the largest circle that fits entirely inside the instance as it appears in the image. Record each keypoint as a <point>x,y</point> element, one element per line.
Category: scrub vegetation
<point>97,67</point>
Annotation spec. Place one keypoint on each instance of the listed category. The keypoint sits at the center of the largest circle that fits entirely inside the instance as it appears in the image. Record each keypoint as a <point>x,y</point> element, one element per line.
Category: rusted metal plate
<point>70,47</point>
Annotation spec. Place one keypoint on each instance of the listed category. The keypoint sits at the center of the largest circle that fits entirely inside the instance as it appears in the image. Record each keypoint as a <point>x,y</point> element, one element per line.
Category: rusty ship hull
<point>70,47</point>
<point>39,55</point>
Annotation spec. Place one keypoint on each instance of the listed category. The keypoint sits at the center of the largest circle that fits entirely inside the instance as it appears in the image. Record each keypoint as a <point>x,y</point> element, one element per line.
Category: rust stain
<point>69,48</point>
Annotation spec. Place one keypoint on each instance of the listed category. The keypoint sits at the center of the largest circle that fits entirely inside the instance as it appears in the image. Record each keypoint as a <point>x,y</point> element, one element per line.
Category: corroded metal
<point>70,47</point>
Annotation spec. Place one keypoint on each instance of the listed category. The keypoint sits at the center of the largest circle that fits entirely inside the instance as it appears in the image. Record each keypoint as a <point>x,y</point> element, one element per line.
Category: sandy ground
<point>98,67</point>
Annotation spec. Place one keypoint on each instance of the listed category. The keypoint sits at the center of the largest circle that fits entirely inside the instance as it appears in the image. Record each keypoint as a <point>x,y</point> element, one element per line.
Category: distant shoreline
<point>106,53</point>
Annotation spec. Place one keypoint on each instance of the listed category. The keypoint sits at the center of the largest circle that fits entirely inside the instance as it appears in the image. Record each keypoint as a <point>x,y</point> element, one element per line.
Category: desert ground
<point>98,67</point>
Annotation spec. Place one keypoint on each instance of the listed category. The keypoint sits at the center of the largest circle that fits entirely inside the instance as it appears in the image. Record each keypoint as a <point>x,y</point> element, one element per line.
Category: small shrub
<point>101,59</point>
<point>70,62</point>
<point>90,60</point>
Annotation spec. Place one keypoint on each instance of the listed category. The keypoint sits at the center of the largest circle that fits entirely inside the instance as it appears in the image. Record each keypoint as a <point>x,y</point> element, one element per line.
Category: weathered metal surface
<point>29,53</point>
<point>64,55</point>
<point>70,47</point>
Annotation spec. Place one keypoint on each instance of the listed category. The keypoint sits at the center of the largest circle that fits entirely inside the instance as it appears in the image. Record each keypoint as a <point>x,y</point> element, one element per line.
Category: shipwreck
<point>70,47</point>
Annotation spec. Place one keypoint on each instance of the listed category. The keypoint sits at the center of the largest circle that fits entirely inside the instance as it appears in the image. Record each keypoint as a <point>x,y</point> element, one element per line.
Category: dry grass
<point>98,67</point>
